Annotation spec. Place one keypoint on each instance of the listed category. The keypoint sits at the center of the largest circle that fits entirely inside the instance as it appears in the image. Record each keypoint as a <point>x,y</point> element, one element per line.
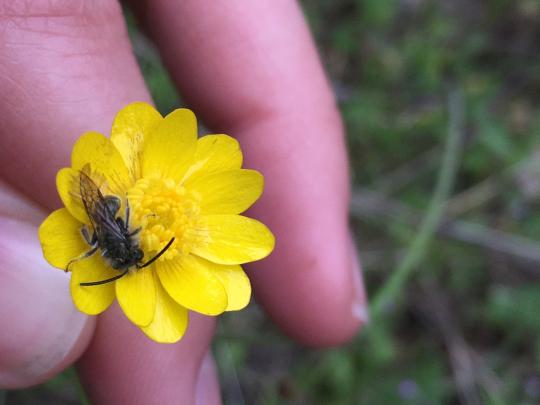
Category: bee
<point>110,233</point>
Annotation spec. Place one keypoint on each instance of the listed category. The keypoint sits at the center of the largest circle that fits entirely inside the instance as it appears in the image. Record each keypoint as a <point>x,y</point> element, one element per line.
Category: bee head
<point>138,254</point>
<point>113,203</point>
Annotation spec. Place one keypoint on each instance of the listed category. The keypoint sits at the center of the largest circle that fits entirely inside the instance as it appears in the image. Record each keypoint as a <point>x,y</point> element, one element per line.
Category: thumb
<point>41,332</point>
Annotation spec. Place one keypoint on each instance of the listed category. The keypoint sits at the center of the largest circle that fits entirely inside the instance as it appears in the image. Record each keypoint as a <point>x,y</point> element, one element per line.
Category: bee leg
<point>127,212</point>
<point>91,240</point>
<point>83,256</point>
<point>135,232</point>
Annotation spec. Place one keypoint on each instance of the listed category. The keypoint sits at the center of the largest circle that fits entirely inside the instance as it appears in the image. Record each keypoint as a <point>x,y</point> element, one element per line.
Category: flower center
<point>163,209</point>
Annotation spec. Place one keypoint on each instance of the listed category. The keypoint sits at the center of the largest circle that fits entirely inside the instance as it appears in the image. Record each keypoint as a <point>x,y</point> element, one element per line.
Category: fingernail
<point>207,389</point>
<point>359,304</point>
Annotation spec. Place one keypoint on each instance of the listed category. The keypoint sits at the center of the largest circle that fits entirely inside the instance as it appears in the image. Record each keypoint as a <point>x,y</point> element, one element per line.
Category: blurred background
<point>441,104</point>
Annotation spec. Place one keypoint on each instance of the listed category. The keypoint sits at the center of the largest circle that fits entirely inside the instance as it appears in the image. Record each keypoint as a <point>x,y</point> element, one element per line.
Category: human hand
<point>249,69</point>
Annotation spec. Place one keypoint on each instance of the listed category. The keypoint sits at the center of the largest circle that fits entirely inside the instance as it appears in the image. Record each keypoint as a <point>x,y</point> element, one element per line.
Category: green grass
<point>396,283</point>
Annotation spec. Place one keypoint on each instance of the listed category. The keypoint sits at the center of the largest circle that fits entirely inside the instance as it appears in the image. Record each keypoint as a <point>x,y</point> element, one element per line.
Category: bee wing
<point>101,218</point>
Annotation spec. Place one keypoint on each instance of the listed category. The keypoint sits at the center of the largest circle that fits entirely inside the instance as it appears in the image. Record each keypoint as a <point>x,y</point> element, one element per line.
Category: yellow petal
<point>136,294</point>
<point>190,282</point>
<point>215,153</point>
<point>130,127</point>
<point>104,159</point>
<point>95,299</point>
<point>236,283</point>
<point>170,319</point>
<point>61,238</point>
<point>231,239</point>
<point>228,192</point>
<point>169,147</point>
<point>68,186</point>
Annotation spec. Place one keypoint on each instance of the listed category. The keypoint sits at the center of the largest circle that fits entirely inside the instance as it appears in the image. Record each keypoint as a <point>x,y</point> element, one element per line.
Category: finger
<point>68,68</point>
<point>122,366</point>
<point>60,76</point>
<point>251,70</point>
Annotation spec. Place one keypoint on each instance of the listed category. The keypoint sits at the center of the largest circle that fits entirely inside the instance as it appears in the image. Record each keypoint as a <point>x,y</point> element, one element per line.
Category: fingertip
<point>351,317</point>
<point>320,301</point>
<point>326,331</point>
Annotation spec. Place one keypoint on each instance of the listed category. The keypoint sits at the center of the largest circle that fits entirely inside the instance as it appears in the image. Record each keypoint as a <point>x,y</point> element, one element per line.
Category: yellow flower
<point>176,188</point>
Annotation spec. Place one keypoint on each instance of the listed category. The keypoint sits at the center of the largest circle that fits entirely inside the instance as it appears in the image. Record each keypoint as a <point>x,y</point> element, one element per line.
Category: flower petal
<point>170,319</point>
<point>231,239</point>
<point>94,299</point>
<point>215,153</point>
<point>136,293</point>
<point>104,159</point>
<point>68,186</point>
<point>191,283</point>
<point>228,192</point>
<point>237,285</point>
<point>61,238</point>
<point>130,127</point>
<point>169,147</point>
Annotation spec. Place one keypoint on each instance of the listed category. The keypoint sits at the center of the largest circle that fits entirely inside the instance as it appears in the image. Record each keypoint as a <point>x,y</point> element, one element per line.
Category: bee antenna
<point>109,280</point>
<point>153,259</point>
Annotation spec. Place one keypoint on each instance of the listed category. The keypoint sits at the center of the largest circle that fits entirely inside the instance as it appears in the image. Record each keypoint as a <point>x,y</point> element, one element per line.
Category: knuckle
<point>56,16</point>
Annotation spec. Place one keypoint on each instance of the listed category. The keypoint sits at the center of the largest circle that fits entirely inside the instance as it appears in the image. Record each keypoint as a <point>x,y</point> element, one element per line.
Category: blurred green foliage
<point>468,325</point>
<point>392,64</point>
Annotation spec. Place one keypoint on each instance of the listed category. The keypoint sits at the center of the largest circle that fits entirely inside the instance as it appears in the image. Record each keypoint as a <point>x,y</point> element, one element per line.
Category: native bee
<point>110,233</point>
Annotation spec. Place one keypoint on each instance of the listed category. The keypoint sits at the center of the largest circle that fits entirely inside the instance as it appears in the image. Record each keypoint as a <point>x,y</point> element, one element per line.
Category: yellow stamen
<point>162,209</point>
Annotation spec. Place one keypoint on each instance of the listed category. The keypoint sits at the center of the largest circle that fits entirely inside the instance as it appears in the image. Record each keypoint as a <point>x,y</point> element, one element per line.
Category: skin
<point>248,69</point>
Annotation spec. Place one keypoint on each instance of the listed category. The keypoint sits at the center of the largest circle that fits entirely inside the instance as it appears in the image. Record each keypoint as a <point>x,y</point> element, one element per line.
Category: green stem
<point>415,253</point>
<point>72,376</point>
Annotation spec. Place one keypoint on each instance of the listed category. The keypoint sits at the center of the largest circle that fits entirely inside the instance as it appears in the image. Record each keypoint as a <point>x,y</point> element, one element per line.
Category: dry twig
<point>366,204</point>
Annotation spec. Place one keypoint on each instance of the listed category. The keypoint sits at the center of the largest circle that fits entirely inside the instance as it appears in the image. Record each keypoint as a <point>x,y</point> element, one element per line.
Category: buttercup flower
<point>152,218</point>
